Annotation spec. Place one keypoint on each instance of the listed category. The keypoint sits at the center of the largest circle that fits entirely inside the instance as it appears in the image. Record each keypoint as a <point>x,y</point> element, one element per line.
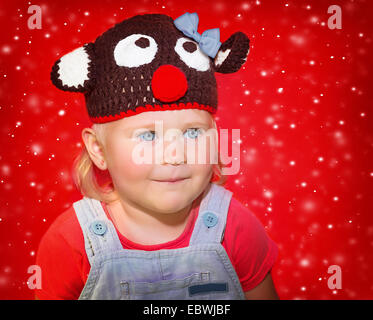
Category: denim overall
<point>201,271</point>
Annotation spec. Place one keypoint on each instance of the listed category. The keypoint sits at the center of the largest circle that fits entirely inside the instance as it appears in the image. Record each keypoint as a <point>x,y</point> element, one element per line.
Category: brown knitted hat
<point>145,63</point>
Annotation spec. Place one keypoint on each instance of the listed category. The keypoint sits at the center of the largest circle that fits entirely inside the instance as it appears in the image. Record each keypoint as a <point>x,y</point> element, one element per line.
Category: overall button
<point>210,219</point>
<point>98,227</point>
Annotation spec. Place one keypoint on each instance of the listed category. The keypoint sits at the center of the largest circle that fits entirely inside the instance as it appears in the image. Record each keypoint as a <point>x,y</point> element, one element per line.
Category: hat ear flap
<point>75,70</point>
<point>232,53</point>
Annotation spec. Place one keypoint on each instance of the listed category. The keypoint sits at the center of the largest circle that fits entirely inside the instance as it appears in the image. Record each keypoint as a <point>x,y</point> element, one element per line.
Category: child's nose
<point>173,152</point>
<point>169,83</point>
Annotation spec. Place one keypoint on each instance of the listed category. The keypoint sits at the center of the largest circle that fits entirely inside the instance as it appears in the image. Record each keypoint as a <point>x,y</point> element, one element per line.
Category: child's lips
<point>171,181</point>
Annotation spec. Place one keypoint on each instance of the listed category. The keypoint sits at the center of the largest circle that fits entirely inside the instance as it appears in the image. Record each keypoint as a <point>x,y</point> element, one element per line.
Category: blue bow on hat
<point>208,41</point>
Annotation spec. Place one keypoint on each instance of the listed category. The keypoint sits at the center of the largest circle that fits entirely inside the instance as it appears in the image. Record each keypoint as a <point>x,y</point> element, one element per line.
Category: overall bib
<point>201,271</point>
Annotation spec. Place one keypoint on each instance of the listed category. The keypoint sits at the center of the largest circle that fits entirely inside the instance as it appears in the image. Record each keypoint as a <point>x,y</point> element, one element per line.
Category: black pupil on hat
<point>190,46</point>
<point>142,42</point>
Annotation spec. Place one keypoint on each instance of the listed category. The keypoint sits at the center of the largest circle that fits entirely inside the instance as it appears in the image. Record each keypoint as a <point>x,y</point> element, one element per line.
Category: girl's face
<point>165,153</point>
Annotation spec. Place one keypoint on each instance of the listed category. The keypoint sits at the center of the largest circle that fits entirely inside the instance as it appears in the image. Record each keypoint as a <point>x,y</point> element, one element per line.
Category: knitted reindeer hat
<point>150,62</point>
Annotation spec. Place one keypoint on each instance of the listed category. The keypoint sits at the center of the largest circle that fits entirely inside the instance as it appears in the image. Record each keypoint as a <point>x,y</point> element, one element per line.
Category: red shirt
<point>65,267</point>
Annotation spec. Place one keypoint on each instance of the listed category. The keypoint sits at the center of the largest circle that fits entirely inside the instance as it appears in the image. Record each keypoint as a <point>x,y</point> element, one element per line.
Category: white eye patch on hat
<point>128,52</point>
<point>73,68</point>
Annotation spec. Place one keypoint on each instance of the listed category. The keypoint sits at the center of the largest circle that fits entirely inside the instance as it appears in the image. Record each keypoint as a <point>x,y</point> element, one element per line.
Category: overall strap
<point>212,215</point>
<point>99,232</point>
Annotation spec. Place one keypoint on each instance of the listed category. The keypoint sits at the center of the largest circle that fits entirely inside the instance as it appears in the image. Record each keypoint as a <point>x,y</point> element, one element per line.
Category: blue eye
<point>193,133</point>
<point>147,136</point>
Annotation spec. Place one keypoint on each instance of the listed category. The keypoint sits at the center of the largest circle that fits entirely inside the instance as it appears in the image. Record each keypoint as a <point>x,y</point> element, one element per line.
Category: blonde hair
<point>87,176</point>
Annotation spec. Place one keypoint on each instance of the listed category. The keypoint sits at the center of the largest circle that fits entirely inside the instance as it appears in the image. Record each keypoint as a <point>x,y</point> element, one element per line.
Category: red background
<point>306,152</point>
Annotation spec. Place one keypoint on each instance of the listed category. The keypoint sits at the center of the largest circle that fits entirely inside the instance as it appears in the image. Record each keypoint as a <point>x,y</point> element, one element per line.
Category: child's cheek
<point>126,165</point>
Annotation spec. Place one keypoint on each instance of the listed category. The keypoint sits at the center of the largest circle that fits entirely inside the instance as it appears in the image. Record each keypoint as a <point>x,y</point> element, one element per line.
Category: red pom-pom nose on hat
<point>169,83</point>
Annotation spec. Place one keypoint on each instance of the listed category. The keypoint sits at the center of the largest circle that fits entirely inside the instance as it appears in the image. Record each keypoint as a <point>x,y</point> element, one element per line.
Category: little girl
<point>163,228</point>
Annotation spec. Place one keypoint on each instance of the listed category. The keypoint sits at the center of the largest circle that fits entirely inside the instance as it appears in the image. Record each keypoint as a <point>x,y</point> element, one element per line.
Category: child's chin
<point>170,205</point>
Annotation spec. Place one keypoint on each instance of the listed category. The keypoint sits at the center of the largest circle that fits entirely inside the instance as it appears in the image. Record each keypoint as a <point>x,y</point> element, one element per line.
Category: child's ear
<point>75,70</point>
<point>232,53</point>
